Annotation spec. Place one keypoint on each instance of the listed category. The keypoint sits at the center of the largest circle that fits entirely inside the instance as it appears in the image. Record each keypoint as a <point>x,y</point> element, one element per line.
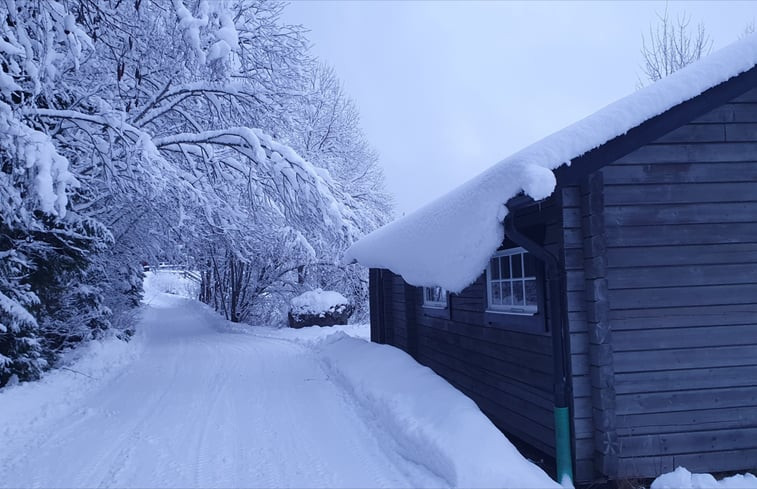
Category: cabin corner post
<point>376,305</point>
<point>411,325</point>
<point>558,326</point>
<point>602,370</point>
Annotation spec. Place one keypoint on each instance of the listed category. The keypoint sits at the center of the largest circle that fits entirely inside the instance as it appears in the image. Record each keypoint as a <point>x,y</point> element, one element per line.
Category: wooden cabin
<point>653,304</point>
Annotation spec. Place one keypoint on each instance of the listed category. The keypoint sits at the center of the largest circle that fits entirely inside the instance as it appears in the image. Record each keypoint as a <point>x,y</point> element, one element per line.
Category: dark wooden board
<point>682,276</point>
<point>680,193</point>
<point>692,153</point>
<point>682,401</point>
<point>697,442</point>
<point>692,337</point>
<point>699,378</point>
<point>687,172</point>
<point>741,132</point>
<point>700,234</point>
<point>695,133</point>
<point>688,358</point>
<point>686,421</point>
<point>682,255</point>
<point>733,112</point>
<point>681,214</point>
<point>672,297</point>
<point>646,318</point>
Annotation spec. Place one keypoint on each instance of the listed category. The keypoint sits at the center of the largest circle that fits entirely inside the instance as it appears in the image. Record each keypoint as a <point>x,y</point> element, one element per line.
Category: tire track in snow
<point>104,472</point>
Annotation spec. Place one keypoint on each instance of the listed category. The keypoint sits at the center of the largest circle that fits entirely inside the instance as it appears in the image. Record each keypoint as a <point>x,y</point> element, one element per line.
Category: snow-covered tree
<point>327,132</point>
<point>197,130</point>
<point>40,240</point>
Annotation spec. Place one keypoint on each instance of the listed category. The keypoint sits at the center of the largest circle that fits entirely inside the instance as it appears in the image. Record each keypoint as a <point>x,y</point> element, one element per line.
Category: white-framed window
<point>435,297</point>
<point>511,285</point>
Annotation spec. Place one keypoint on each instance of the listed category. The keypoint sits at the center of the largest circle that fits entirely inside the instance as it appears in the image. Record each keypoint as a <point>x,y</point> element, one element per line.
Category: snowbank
<point>448,242</point>
<point>683,479</point>
<point>305,336</point>
<point>318,301</point>
<point>27,407</point>
<point>434,424</point>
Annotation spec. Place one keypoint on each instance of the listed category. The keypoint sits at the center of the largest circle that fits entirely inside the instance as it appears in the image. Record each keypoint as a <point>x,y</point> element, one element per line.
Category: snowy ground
<point>193,403</point>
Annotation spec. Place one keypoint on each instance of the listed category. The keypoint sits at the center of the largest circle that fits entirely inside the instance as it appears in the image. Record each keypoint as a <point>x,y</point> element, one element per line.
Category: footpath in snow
<point>191,403</point>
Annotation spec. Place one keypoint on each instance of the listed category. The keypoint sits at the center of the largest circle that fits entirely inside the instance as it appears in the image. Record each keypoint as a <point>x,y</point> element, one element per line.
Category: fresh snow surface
<point>683,479</point>
<point>205,406</point>
<point>173,282</point>
<point>29,410</point>
<point>317,302</point>
<point>448,242</point>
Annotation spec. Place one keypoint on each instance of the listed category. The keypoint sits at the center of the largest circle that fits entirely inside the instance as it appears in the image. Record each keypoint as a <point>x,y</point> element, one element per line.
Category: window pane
<point>496,293</point>
<point>518,294</point>
<point>494,267</point>
<point>434,295</point>
<point>529,263</point>
<point>531,299</point>
<point>517,269</point>
<point>507,298</point>
<point>505,262</point>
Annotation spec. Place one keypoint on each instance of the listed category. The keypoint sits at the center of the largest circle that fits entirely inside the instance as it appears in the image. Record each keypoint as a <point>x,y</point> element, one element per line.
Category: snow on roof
<point>448,242</point>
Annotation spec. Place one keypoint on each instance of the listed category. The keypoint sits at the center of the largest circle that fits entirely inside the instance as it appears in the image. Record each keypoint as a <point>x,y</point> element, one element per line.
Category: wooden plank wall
<point>508,373</point>
<point>681,235</point>
<point>376,303</point>
<point>590,333</point>
<point>573,258</point>
<point>396,307</point>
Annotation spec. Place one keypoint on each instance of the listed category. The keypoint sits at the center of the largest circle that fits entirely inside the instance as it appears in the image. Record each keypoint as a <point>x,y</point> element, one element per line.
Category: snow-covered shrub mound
<point>683,479</point>
<point>432,423</point>
<point>319,308</point>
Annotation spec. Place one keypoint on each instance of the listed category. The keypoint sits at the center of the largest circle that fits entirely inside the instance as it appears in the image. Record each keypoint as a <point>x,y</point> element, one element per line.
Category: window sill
<point>532,323</point>
<point>436,312</point>
<point>512,313</point>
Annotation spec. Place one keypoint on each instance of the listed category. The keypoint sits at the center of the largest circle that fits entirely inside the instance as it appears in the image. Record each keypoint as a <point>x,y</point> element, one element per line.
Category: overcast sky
<point>447,89</point>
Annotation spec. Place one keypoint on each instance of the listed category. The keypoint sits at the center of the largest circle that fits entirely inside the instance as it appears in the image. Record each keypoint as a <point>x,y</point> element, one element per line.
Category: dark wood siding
<point>681,252</point>
<point>506,371</point>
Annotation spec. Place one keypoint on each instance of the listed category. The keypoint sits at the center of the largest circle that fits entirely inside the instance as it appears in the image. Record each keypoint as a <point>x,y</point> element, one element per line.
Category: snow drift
<point>433,424</point>
<point>683,479</point>
<point>448,242</point>
<point>27,407</point>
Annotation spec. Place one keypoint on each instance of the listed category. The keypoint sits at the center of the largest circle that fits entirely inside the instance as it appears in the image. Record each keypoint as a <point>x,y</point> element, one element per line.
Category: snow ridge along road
<point>205,408</point>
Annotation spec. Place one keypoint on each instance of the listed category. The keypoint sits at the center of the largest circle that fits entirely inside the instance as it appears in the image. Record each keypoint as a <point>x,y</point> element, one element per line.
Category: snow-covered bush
<point>319,308</point>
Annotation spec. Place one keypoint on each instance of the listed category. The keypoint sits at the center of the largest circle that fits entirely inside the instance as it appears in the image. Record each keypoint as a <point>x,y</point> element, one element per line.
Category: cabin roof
<point>448,242</point>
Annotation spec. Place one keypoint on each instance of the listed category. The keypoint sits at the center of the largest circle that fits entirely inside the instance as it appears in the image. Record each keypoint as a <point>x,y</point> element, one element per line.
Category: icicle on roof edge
<point>449,241</point>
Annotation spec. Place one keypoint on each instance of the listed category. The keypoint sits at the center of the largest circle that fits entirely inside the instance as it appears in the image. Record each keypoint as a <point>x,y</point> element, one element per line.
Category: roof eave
<point>654,128</point>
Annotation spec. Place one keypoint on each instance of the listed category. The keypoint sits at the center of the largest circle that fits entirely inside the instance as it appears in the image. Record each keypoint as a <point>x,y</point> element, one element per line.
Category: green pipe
<point>562,446</point>
<point>559,327</point>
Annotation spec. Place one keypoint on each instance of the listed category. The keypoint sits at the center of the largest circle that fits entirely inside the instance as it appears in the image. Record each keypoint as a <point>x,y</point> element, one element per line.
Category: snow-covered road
<point>203,408</point>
